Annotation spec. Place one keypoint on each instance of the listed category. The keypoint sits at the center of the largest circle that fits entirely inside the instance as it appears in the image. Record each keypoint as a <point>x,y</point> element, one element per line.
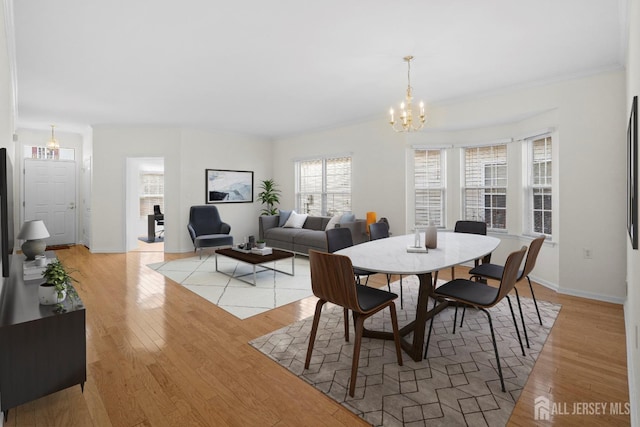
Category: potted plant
<point>269,196</point>
<point>56,287</point>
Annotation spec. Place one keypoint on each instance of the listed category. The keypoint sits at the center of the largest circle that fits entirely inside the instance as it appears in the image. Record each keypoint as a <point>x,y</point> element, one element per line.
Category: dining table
<point>394,255</point>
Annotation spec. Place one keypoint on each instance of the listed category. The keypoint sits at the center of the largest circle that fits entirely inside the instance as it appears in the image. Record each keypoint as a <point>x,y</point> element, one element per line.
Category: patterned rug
<point>457,385</point>
<point>239,298</point>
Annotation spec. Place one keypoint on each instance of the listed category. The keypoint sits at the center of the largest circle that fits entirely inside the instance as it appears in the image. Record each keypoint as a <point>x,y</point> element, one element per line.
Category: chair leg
<point>314,330</point>
<point>534,300</point>
<point>396,333</point>
<point>524,327</point>
<point>455,318</point>
<point>464,311</point>
<point>346,324</point>
<point>515,324</point>
<point>426,347</point>
<point>401,296</point>
<point>356,353</point>
<point>495,349</point>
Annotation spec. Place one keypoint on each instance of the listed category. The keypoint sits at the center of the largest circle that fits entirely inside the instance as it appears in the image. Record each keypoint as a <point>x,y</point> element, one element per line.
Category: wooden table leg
<point>415,348</point>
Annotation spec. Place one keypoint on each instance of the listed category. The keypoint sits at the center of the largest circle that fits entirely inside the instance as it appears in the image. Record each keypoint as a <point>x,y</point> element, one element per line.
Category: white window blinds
<point>540,185</point>
<point>429,186</point>
<point>151,192</point>
<point>485,185</point>
<point>324,186</point>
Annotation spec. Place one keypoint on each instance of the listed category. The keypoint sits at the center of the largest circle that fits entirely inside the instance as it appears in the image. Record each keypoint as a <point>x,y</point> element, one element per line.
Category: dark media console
<point>41,352</point>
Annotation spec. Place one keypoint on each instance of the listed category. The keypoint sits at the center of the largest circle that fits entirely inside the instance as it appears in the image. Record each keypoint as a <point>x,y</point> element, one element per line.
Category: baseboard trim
<point>592,295</point>
<point>579,293</point>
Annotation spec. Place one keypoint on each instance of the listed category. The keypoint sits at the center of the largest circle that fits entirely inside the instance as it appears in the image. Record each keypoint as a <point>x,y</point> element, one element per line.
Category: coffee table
<point>255,259</point>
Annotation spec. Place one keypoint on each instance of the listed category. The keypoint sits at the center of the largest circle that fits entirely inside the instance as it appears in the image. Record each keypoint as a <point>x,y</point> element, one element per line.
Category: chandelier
<point>406,124</point>
<point>53,142</point>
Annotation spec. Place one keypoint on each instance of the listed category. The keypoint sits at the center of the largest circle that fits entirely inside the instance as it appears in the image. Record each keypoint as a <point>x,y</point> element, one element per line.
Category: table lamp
<point>33,233</point>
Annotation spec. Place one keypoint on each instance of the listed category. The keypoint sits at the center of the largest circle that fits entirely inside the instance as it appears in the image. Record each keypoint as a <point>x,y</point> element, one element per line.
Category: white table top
<point>390,255</point>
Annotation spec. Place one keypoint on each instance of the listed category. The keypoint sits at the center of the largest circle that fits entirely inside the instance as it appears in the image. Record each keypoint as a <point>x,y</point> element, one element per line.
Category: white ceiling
<point>280,67</point>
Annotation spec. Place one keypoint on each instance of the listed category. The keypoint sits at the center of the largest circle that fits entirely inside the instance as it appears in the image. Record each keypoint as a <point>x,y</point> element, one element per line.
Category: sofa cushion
<point>295,220</point>
<point>333,221</point>
<point>348,217</point>
<point>284,216</point>
<point>282,234</point>
<point>314,223</point>
<point>311,238</point>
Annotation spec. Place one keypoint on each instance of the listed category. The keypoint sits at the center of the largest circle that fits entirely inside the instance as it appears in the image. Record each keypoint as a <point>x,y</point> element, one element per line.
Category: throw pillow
<point>295,220</point>
<point>284,216</point>
<point>348,217</point>
<point>333,221</point>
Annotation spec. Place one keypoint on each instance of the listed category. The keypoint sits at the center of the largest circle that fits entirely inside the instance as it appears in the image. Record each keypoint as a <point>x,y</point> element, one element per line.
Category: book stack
<point>263,251</point>
<point>417,249</point>
<point>32,271</point>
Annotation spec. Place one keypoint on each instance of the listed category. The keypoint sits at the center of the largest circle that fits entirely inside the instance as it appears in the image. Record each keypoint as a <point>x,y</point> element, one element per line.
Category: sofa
<point>310,236</point>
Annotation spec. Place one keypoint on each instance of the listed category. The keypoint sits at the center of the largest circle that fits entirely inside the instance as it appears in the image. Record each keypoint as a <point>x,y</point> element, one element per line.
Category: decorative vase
<point>431,236</point>
<point>48,295</point>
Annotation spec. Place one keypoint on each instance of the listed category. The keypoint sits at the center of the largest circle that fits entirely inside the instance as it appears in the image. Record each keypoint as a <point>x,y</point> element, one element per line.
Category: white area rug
<point>235,296</point>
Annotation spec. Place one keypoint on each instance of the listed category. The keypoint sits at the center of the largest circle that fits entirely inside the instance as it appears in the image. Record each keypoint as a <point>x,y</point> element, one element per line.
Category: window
<point>151,192</point>
<point>485,185</point>
<point>429,186</point>
<point>540,185</point>
<point>323,186</point>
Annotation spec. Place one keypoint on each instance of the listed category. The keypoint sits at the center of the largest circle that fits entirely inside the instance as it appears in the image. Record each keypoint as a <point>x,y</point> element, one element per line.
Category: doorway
<point>50,195</point>
<point>144,190</point>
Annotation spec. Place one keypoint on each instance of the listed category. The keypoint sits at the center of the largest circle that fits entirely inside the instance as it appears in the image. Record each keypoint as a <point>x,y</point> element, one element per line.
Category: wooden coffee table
<point>255,259</point>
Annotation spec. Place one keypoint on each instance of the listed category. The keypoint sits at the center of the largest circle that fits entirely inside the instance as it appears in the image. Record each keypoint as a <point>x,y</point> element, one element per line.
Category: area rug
<point>457,385</point>
<point>235,296</point>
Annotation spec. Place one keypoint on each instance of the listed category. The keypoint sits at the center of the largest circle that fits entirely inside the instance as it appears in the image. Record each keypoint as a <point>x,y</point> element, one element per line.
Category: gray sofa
<point>310,236</point>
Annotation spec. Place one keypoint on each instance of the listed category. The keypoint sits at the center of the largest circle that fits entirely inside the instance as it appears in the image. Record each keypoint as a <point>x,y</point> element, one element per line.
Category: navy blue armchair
<point>206,228</point>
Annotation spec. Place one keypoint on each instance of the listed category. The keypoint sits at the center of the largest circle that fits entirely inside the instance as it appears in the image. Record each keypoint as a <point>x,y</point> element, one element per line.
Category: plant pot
<point>48,295</point>
<point>261,245</point>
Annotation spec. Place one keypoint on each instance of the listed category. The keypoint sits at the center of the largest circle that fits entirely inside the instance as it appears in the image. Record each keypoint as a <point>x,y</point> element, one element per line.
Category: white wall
<point>7,122</point>
<point>588,115</point>
<point>632,306</point>
<point>187,154</point>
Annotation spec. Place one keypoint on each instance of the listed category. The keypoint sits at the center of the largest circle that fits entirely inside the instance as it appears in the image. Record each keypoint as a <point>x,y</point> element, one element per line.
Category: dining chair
<point>332,280</point>
<point>471,227</point>
<point>380,230</point>
<point>340,238</point>
<point>482,296</point>
<point>495,271</point>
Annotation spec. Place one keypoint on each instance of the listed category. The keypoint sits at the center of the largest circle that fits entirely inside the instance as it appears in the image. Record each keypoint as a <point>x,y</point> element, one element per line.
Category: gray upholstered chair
<point>207,229</point>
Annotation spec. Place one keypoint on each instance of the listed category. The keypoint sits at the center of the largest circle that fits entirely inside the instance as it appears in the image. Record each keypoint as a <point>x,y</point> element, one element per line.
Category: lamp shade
<point>32,230</point>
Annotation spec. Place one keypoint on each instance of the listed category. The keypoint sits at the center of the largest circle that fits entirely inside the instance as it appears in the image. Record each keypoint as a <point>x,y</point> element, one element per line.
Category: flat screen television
<point>6,210</point>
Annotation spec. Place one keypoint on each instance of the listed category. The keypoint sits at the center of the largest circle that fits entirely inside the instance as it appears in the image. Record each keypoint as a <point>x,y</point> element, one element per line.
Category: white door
<point>49,195</point>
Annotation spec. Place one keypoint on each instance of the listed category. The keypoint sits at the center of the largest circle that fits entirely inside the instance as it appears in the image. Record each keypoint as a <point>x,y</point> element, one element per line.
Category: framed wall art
<point>228,186</point>
<point>632,174</point>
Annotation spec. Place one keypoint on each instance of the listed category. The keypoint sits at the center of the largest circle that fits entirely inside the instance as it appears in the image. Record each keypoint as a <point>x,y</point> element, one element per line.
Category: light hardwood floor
<point>159,355</point>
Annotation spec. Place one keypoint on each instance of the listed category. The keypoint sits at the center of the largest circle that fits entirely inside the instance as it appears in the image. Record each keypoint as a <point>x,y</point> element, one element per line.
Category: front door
<point>49,195</point>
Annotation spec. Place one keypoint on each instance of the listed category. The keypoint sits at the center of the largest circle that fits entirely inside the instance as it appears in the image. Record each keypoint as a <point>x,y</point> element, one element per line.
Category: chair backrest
<point>378,230</point>
<point>156,210</point>
<point>338,238</point>
<point>510,273</point>
<point>532,255</point>
<point>333,280</point>
<point>471,227</point>
<point>205,219</point>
